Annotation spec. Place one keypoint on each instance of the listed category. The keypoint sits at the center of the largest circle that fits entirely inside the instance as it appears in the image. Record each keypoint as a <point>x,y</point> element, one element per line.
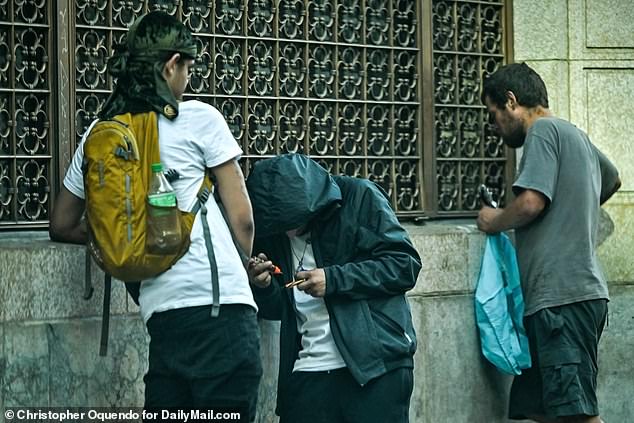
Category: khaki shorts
<point>563,378</point>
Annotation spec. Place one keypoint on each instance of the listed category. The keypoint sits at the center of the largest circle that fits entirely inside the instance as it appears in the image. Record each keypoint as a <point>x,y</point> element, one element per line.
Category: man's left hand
<point>314,283</point>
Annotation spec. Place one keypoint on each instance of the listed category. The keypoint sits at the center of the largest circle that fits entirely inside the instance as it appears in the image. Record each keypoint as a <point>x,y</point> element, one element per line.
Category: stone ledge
<point>43,280</point>
<point>451,252</point>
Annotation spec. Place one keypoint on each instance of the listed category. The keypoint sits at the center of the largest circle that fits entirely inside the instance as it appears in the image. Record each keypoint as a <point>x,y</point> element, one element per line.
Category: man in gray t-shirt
<point>562,181</point>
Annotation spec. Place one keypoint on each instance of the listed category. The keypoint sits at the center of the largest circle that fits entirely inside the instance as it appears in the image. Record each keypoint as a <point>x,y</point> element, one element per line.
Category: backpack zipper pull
<point>120,152</point>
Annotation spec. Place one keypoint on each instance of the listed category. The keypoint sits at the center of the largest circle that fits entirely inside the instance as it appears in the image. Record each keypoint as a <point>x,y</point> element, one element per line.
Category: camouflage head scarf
<point>137,65</point>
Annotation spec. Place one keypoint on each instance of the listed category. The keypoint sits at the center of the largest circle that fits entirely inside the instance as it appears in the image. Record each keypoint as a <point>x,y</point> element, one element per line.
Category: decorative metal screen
<point>382,89</point>
<point>467,46</point>
<point>25,113</point>
<point>335,79</point>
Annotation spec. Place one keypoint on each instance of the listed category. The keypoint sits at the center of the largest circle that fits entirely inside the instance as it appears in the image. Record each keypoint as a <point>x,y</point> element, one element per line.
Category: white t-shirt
<point>198,138</point>
<point>319,351</point>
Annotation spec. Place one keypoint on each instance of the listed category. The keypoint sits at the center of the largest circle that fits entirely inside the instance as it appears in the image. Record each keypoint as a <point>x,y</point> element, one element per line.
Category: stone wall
<point>49,335</point>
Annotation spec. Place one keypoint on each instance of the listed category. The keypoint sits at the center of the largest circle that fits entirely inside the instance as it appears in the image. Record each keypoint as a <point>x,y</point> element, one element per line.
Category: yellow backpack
<point>118,155</point>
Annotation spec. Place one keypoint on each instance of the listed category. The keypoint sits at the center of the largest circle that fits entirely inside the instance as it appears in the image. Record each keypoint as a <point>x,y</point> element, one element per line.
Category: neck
<point>535,113</point>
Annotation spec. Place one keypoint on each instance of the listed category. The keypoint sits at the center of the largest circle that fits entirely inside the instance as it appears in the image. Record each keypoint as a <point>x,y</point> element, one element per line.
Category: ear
<point>170,65</point>
<point>511,100</point>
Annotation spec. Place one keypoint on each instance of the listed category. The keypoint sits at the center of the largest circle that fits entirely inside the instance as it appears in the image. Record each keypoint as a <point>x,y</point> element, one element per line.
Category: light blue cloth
<point>499,307</point>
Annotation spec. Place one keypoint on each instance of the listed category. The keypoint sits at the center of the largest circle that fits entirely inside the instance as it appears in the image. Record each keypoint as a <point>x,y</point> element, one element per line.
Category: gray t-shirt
<point>557,251</point>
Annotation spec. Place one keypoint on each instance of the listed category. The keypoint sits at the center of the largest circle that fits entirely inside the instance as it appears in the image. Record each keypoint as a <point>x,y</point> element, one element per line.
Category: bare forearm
<point>243,232</point>
<point>610,180</point>
<point>234,197</point>
<point>74,235</point>
<point>67,224</point>
<point>522,211</point>
<point>607,195</point>
<point>511,218</point>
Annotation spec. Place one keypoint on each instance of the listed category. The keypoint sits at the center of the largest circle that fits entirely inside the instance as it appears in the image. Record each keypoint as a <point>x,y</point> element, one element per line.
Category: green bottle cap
<point>157,167</point>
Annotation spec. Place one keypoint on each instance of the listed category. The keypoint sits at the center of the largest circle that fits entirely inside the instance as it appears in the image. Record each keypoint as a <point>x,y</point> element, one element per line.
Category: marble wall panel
<point>615,254</point>
<point>55,273</point>
<point>80,377</point>
<point>270,354</point>
<point>609,24</point>
<point>453,382</point>
<point>540,29</point>
<point>26,376</point>
<point>475,251</point>
<point>600,30</point>
<point>442,269</point>
<point>57,364</point>
<point>616,372</point>
<point>3,364</point>
<point>555,74</point>
<point>610,93</point>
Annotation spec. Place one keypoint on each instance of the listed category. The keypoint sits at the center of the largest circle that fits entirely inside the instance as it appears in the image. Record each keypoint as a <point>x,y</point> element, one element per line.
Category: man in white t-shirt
<point>195,360</point>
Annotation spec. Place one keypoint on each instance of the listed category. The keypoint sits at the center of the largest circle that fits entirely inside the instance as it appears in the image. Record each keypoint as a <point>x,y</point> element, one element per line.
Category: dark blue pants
<point>335,397</point>
<point>197,361</point>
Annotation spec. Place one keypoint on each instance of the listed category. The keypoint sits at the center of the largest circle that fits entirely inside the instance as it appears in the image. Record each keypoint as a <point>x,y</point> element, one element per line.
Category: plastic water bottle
<point>163,222</point>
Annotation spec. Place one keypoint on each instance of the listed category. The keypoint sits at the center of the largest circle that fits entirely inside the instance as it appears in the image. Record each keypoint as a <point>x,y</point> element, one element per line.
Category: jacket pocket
<point>392,335</point>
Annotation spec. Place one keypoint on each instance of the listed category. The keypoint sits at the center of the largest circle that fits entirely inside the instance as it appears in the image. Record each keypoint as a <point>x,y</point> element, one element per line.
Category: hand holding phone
<point>486,197</point>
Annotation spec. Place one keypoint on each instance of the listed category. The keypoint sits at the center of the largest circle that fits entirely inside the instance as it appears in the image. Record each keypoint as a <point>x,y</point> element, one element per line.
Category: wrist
<point>262,284</point>
<point>263,289</point>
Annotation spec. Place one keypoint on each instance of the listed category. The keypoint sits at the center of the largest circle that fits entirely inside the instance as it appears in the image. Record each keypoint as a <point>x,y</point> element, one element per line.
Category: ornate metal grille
<point>335,79</point>
<point>383,89</point>
<point>468,45</point>
<point>25,113</point>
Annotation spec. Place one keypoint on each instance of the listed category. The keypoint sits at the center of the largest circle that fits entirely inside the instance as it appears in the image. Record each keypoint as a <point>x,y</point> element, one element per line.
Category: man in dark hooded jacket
<point>347,340</point>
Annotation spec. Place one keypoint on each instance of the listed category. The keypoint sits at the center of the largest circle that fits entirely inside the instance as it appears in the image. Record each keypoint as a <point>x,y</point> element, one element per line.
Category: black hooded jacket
<point>367,256</point>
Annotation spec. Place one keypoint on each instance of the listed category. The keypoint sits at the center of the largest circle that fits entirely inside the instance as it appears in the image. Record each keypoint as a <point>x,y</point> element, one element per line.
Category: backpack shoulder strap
<point>207,191</point>
<point>215,286</point>
<point>105,316</point>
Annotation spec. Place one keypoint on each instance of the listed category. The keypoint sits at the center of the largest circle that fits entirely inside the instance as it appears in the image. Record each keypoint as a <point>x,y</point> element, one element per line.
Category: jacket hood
<point>289,191</point>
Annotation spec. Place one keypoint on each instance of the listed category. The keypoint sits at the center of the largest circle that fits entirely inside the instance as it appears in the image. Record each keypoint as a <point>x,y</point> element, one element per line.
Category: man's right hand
<point>486,218</point>
<point>259,269</point>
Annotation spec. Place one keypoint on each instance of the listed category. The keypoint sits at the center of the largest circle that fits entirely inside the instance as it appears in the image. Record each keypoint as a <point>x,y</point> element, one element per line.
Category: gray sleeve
<point>539,167</point>
<point>610,180</point>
